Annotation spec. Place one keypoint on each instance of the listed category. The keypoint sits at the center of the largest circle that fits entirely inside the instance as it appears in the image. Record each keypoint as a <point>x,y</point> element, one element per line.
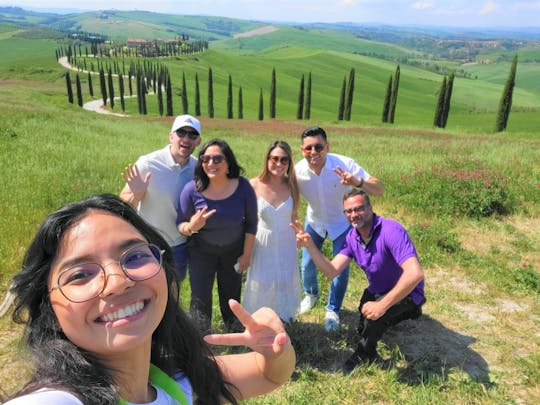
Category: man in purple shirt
<point>383,249</point>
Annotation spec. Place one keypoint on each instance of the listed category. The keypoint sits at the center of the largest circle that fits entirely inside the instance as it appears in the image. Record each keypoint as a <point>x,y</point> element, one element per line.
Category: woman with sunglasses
<point>218,212</point>
<point>99,299</point>
<point>273,280</point>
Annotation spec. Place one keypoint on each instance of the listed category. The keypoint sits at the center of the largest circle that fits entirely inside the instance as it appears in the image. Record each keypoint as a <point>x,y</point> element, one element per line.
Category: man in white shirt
<point>155,181</point>
<point>323,179</point>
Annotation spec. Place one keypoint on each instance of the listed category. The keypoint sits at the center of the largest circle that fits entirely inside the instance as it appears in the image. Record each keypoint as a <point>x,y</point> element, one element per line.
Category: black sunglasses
<point>279,159</point>
<point>318,147</point>
<point>190,134</point>
<point>214,158</point>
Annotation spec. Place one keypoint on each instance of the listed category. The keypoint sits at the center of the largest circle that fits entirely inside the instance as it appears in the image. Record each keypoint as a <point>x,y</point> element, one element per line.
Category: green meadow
<point>469,197</point>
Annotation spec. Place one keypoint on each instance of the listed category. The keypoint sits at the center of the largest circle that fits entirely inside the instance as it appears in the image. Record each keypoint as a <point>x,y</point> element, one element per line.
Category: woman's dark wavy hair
<point>235,170</point>
<point>176,343</point>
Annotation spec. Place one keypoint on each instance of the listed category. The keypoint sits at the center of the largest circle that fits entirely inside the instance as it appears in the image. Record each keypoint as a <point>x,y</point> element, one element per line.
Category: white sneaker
<point>307,303</point>
<point>331,321</point>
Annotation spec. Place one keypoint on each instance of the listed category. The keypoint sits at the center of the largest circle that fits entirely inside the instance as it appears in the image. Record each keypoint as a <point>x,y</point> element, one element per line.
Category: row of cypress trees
<point>156,76</point>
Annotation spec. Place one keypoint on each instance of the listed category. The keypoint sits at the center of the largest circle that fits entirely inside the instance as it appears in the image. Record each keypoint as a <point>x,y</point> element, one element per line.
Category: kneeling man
<point>385,252</point>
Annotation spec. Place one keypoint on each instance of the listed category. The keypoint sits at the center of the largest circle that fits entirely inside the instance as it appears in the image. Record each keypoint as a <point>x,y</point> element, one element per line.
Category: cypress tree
<point>437,121</point>
<point>387,97</point>
<point>69,88</point>
<point>90,87</point>
<point>300,100</point>
<point>79,91</point>
<point>121,89</point>
<point>143,95</point>
<point>341,108</point>
<point>307,111</point>
<point>197,96</point>
<point>184,94</point>
<point>393,100</point>
<point>111,88</point>
<point>169,96</point>
<point>349,96</point>
<point>447,98</point>
<point>160,97</point>
<point>103,86</point>
<point>261,106</point>
<point>229,99</point>
<point>273,94</point>
<point>210,94</point>
<point>129,84</point>
<point>139,92</point>
<point>240,104</point>
<point>505,104</point>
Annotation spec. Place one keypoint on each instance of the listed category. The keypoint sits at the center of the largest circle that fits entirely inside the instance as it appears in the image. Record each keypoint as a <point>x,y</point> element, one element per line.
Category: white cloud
<point>489,7</point>
<point>422,5</point>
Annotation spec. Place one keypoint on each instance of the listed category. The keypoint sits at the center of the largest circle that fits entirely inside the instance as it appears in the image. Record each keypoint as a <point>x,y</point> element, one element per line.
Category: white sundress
<point>273,279</point>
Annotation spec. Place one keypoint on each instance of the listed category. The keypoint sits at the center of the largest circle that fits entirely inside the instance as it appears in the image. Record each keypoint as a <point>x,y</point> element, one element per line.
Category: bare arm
<point>272,360</point>
<point>412,275</point>
<point>135,187</point>
<point>330,268</point>
<point>371,186</point>
<point>245,259</point>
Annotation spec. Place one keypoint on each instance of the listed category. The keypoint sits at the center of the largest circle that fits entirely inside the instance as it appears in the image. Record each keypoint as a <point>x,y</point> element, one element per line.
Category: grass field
<point>478,341</point>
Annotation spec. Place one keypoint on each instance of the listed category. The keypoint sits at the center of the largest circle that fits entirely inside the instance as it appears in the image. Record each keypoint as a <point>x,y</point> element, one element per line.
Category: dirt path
<point>94,105</point>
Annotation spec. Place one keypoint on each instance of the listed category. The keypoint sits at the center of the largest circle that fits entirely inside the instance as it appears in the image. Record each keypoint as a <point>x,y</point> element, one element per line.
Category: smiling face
<point>359,213</point>
<point>315,149</point>
<point>182,146</point>
<point>278,162</point>
<point>212,169</point>
<point>124,316</point>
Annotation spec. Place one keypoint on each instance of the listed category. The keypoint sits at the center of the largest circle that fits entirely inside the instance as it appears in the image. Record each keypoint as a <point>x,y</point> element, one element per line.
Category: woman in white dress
<point>273,280</point>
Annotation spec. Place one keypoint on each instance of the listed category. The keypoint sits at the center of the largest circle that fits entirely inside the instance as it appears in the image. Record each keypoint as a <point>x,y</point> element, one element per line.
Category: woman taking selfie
<point>98,296</point>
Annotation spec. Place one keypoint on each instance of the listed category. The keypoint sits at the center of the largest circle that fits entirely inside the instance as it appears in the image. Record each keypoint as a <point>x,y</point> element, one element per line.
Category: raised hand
<point>303,239</point>
<point>135,182</point>
<point>346,178</point>
<point>264,332</point>
<point>198,220</point>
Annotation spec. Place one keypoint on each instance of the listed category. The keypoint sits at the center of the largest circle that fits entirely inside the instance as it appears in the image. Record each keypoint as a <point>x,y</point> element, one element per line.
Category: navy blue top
<point>235,215</point>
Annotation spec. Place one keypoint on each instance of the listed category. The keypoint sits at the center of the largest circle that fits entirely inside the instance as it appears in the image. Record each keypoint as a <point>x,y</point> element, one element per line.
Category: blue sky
<point>456,13</point>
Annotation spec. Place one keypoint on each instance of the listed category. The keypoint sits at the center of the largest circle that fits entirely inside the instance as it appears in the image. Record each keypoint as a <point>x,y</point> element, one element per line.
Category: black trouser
<point>205,263</point>
<point>372,331</point>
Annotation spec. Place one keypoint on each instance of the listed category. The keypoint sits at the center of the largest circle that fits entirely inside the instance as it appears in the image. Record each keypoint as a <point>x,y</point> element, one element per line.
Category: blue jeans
<point>309,272</point>
<point>180,260</point>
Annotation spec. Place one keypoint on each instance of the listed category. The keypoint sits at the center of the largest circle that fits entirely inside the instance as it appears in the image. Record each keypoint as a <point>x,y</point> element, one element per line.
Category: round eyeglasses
<point>85,281</point>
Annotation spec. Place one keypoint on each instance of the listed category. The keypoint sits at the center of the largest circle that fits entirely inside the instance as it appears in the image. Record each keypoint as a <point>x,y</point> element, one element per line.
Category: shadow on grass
<point>318,349</point>
<point>431,350</point>
<point>420,350</point>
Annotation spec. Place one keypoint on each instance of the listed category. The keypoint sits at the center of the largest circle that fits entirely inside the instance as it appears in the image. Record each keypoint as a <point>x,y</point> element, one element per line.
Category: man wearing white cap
<point>155,181</point>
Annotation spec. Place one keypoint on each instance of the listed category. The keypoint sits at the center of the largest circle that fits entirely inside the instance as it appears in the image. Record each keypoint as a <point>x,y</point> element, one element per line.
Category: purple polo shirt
<point>381,258</point>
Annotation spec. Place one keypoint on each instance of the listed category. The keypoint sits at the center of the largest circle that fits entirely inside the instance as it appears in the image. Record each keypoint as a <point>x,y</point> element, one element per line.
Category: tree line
<point>154,77</point>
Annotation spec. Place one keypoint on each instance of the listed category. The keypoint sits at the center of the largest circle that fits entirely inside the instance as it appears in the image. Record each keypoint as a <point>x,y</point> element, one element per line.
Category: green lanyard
<point>166,383</point>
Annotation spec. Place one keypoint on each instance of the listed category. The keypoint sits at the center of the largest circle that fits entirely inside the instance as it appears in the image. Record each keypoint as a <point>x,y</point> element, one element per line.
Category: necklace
<point>166,383</point>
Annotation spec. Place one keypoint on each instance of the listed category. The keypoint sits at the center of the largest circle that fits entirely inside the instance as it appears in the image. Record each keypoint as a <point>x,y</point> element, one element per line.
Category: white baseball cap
<point>186,121</point>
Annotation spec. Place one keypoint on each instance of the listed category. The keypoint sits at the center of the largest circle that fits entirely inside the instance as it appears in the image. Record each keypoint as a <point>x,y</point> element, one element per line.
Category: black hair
<point>357,191</point>
<point>59,364</point>
<point>235,170</point>
<point>313,131</point>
